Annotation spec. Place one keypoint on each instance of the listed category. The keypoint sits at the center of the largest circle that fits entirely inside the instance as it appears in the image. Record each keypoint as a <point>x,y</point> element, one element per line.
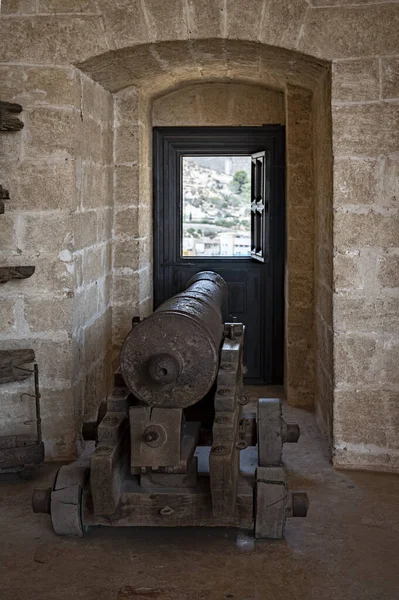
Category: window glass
<point>216,206</point>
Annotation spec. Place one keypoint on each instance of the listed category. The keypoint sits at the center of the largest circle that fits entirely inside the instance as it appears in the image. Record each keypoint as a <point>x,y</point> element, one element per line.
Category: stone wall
<point>157,47</point>
<point>365,111</point>
<point>58,171</point>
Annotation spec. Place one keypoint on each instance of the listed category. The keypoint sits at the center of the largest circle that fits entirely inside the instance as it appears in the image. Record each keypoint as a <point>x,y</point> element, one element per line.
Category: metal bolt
<point>241,445</point>
<point>41,501</point>
<point>151,436</point>
<point>110,420</point>
<point>166,511</point>
<point>224,392</point>
<point>219,449</point>
<point>102,450</point>
<point>222,420</point>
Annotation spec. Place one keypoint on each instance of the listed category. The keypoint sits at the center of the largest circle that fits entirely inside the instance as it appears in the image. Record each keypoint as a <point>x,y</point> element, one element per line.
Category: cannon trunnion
<point>174,446</point>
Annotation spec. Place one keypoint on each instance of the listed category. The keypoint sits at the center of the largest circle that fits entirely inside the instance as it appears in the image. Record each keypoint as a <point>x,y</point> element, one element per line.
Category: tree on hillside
<point>240,182</point>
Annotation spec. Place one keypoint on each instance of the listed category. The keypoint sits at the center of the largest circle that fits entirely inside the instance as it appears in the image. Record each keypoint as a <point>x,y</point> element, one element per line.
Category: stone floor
<point>347,548</point>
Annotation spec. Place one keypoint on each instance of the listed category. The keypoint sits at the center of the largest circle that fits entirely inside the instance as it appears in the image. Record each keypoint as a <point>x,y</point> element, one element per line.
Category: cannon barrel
<point>171,358</point>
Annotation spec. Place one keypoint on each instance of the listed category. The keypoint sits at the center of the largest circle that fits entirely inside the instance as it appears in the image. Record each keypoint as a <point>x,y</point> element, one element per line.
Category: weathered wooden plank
<point>21,455</point>
<point>13,364</point>
<point>8,119</point>
<point>9,273</point>
<point>172,507</point>
<point>4,195</point>
<point>271,500</point>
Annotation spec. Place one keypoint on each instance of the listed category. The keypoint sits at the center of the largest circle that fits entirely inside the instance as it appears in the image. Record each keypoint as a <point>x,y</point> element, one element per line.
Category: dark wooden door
<point>256,281</point>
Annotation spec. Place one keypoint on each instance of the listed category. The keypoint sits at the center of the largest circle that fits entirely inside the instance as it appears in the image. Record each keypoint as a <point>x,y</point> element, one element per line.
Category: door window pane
<point>216,206</point>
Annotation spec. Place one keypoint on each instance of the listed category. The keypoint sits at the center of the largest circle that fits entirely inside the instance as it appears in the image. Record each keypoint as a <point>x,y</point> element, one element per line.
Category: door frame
<point>169,145</point>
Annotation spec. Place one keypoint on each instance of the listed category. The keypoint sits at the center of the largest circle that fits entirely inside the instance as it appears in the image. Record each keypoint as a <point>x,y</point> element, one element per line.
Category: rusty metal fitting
<point>41,500</point>
<point>154,436</point>
<point>219,449</point>
<point>290,433</point>
<point>164,368</point>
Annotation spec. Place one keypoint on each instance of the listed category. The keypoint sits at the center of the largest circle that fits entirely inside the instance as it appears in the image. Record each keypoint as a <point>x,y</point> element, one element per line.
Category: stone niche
<point>92,79</point>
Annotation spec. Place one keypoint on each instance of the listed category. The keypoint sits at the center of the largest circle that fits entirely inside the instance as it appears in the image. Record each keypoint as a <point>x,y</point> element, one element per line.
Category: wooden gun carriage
<point>174,447</point>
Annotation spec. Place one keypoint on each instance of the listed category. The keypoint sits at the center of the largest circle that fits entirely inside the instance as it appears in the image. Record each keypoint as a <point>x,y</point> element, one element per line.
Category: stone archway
<point>154,71</point>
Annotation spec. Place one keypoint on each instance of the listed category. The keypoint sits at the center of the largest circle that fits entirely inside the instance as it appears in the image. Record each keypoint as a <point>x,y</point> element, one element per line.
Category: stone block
<point>300,224</point>
<point>300,184</point>
<point>21,7</point>
<point>126,185</point>
<point>360,417</point>
<point>282,21</point>
<point>97,339</point>
<point>390,77</point>
<point>51,85</point>
<point>300,325</point>
<point>361,230</point>
<point>8,238</point>
<point>388,274</point>
<point>94,266</point>
<point>300,366</point>
<point>205,20</point>
<point>127,143</point>
<point>125,22</point>
<point>180,109</point>
<point>127,222</point>
<point>244,19</point>
<point>48,314</point>
<point>85,306</point>
<point>84,229</point>
<point>127,106</point>
<point>370,314</point>
<point>356,80</point>
<point>356,359</point>
<point>49,39</point>
<point>51,132</point>
<point>94,192</point>
<point>388,182</point>
<point>7,321</point>
<point>166,20</point>
<point>349,31</point>
<point>126,289</point>
<point>126,254</point>
<point>256,106</point>
<point>67,6</point>
<point>53,357</point>
<point>300,291</point>
<point>12,83</point>
<point>122,322</point>
<point>40,185</point>
<point>348,271</point>
<point>104,225</point>
<point>211,58</point>
<point>366,129</point>
<point>47,234</point>
<point>51,275</point>
<point>355,181</point>
<point>90,137</point>
<point>300,258</point>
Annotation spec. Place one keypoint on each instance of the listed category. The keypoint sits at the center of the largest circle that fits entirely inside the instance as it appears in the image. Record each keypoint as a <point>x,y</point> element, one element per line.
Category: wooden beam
<point>8,120</point>
<point>9,273</point>
<point>12,362</point>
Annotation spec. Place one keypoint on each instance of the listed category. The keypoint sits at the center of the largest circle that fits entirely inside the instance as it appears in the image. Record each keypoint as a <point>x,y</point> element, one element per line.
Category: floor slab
<point>346,548</point>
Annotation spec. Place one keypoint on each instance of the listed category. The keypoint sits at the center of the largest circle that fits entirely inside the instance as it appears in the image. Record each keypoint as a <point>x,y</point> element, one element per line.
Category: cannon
<point>174,445</point>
